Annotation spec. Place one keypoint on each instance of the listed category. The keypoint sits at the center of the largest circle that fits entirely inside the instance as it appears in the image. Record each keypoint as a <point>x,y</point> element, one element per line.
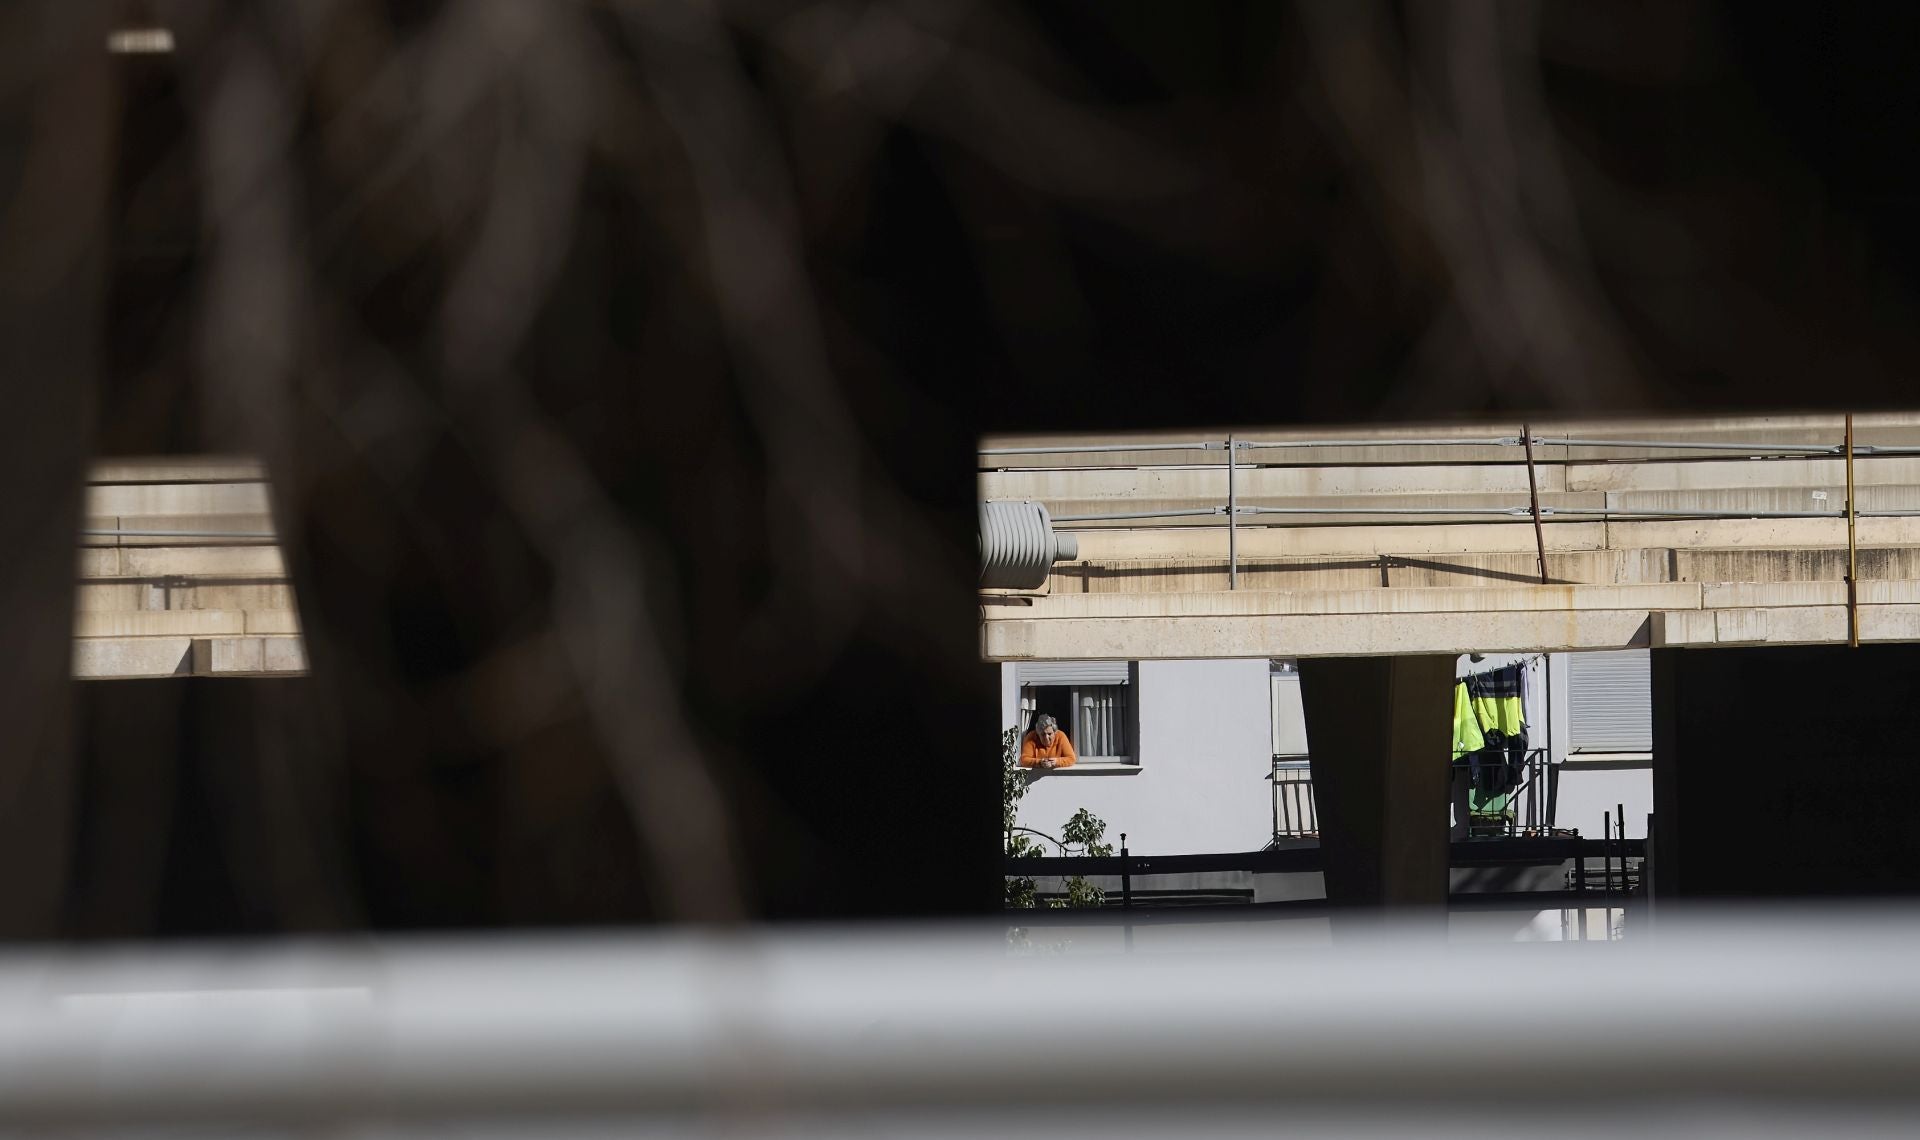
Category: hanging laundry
<point>1490,736</point>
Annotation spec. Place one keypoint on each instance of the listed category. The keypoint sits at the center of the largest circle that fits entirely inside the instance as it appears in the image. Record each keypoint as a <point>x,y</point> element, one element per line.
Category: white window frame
<point>1075,676</point>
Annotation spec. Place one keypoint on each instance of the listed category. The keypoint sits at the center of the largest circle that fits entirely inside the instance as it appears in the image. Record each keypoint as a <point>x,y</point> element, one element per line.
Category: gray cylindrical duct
<point>1018,546</point>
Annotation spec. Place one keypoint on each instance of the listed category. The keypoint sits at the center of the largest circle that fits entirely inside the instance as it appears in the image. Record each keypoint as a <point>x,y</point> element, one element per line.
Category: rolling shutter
<point>1070,673</point>
<point>1611,698</point>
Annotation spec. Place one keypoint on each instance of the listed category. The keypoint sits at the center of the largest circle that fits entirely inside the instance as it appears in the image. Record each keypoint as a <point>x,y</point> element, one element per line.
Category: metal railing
<point>1522,807</point>
<point>1295,815</point>
<point>1493,797</point>
<point>842,1031</point>
<point>1233,511</point>
<point>1757,450</point>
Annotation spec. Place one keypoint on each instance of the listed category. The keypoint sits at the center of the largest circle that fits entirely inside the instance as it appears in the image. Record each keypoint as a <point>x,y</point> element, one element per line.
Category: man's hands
<point>1048,764</point>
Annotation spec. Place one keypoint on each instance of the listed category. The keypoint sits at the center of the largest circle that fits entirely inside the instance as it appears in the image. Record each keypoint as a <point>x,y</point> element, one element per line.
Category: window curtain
<point>1102,715</point>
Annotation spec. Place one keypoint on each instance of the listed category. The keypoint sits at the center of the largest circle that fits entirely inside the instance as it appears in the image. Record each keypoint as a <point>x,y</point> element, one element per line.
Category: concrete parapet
<point>1296,542</point>
<point>264,595</point>
<point>103,597</point>
<point>272,621</point>
<point>178,499</point>
<point>283,655</point>
<point>178,469</point>
<point>186,561</point>
<point>98,562</point>
<point>1329,603</point>
<point>1587,567</point>
<point>217,655</point>
<point>167,623</point>
<point>1310,635</point>
<point>1367,623</point>
<point>129,657</point>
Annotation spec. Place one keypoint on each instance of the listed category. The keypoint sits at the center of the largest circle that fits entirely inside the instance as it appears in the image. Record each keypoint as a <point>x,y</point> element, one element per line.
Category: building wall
<point>1206,740</point>
<point>1588,792</point>
<point>1204,754</point>
<point>1592,785</point>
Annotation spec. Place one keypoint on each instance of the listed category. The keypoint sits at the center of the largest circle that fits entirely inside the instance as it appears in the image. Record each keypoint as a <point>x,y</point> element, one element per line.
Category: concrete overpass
<point>1379,560</point>
<point>1724,532</point>
<point>180,574</point>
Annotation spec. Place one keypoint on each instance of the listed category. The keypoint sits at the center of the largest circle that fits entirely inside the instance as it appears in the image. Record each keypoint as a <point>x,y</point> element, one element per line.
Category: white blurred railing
<point>1809,1016</point>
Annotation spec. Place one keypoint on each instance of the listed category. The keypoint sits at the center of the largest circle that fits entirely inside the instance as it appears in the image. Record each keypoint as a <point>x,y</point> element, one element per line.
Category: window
<point>1609,696</point>
<point>1092,700</point>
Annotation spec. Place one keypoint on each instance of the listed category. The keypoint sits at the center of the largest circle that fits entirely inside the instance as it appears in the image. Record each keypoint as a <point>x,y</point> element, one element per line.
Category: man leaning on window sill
<point>1046,747</point>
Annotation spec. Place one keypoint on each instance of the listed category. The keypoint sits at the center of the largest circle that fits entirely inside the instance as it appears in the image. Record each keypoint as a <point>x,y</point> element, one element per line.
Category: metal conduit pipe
<point>97,533</point>
<point>1018,545</point>
<point>1499,441</point>
<point>1615,513</point>
<point>1095,449</point>
<point>1694,445</point>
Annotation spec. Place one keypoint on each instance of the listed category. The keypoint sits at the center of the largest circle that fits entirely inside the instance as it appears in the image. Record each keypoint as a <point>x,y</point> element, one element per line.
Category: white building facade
<point>1192,757</point>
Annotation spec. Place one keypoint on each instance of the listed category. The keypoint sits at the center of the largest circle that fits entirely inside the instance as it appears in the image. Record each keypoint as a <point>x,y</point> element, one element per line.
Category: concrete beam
<point>225,656</point>
<point>1717,474</point>
<point>216,561</point>
<point>1307,635</point>
<point>126,658</point>
<point>215,655</point>
<point>1452,539</point>
<point>159,623</point>
<point>1886,483</point>
<point>1203,486</point>
<point>1597,567</point>
<point>178,499</point>
<point>1325,603</point>
<point>178,469</point>
<point>283,654</point>
<point>1350,541</point>
<point>131,657</point>
<point>272,622</point>
<point>106,597</point>
<point>1387,634</point>
<point>263,595</point>
<point>99,562</point>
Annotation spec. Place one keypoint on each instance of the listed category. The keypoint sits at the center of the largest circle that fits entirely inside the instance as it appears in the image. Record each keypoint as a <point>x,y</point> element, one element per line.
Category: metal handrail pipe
<point>1122,515</point>
<point>148,533</point>
<point>1497,441</point>
<point>721,1030</point>
<point>1693,445</point>
<point>1103,448</point>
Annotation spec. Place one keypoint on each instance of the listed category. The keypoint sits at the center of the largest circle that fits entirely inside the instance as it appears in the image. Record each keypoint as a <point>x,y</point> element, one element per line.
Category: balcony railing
<point>1294,813</point>
<point>1494,799</point>
<point>1509,801</point>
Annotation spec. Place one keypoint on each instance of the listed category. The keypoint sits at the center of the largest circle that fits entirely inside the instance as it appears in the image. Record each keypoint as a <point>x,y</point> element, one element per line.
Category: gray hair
<point>1045,721</point>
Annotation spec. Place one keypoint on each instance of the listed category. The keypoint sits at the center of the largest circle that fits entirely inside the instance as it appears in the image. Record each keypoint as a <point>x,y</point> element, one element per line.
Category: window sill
<point>1600,760</point>
<point>1085,768</point>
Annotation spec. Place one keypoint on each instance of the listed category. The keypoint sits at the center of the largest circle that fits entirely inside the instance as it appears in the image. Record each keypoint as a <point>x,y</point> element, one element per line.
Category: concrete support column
<point>1377,731</point>
<point>57,111</point>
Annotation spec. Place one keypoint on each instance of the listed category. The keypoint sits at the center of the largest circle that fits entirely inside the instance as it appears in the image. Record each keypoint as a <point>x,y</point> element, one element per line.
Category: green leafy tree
<point>1013,787</point>
<point>1080,835</point>
<point>1084,831</point>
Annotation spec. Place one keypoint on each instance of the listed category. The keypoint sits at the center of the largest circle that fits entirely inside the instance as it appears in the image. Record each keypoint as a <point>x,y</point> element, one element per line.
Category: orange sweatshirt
<point>1032,751</point>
